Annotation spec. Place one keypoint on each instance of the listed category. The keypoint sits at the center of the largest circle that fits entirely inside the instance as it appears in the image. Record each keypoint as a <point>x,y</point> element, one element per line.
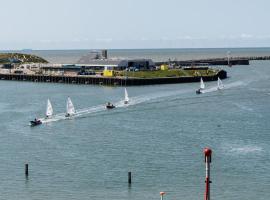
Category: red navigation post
<point>207,160</point>
<point>161,195</point>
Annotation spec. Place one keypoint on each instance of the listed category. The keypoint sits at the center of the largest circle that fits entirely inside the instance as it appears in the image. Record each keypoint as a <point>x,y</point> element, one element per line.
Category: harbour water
<point>159,137</point>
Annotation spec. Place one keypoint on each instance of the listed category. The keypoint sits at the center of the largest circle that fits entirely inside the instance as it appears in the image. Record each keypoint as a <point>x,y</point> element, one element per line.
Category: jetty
<point>110,81</point>
<point>217,61</point>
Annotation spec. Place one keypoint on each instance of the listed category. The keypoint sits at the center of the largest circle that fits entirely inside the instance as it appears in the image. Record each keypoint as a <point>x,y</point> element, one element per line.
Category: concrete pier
<point>110,81</point>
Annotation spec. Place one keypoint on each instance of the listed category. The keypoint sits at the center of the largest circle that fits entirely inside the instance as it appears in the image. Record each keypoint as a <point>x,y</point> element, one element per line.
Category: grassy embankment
<point>8,58</point>
<point>169,73</point>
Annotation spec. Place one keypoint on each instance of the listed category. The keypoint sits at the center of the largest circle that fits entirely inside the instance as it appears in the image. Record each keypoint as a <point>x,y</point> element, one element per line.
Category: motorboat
<point>110,105</point>
<point>35,122</point>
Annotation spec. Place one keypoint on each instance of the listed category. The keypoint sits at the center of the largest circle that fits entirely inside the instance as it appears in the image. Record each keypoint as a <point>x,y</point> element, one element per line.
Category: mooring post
<point>161,195</point>
<point>26,169</point>
<point>207,160</point>
<point>129,177</point>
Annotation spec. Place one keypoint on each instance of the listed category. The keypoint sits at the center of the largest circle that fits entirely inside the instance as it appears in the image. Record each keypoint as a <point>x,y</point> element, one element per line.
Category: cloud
<point>246,36</point>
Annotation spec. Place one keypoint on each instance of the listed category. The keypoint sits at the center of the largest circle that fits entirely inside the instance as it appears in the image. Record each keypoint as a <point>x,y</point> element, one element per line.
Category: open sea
<point>159,136</point>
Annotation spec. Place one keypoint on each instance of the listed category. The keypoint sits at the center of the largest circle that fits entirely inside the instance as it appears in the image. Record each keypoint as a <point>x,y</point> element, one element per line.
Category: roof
<point>112,62</point>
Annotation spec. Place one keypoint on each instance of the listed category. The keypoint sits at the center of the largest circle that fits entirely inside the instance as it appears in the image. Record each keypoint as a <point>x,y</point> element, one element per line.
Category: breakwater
<point>110,81</point>
<point>218,61</point>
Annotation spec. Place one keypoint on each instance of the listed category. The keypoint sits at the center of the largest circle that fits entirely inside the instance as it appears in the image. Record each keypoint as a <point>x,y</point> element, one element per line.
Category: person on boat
<point>110,105</point>
<point>35,122</point>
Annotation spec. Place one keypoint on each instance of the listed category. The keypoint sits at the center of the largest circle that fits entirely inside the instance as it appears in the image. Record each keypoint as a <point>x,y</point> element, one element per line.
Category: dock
<point>109,81</point>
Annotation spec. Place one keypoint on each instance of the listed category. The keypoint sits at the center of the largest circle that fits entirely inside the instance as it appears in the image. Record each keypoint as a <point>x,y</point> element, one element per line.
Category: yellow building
<point>164,67</point>
<point>108,71</point>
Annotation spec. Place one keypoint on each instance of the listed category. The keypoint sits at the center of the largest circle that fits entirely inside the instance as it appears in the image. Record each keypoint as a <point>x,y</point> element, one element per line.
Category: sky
<point>128,24</point>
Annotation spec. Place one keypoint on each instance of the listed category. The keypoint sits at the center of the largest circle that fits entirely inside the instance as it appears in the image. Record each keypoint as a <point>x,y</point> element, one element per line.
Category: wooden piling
<point>26,169</point>
<point>129,177</point>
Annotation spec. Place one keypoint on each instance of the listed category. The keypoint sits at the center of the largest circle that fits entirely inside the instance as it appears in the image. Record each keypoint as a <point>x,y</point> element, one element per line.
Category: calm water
<point>159,137</point>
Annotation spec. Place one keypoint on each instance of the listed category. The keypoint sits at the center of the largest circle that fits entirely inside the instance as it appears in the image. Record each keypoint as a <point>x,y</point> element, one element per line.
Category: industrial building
<point>99,65</point>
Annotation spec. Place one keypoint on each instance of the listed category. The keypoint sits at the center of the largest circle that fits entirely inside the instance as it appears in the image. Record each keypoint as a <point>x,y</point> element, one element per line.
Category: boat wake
<point>246,149</point>
<point>120,104</point>
<point>132,101</point>
<point>228,86</point>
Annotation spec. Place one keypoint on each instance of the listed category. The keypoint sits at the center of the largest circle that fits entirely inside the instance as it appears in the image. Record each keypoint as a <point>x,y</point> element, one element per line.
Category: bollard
<point>207,160</point>
<point>129,177</point>
<point>161,195</point>
<point>26,170</point>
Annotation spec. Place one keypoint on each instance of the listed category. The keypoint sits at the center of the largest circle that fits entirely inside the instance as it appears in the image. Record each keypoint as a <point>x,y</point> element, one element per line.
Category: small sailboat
<point>220,84</point>
<point>70,108</point>
<point>49,110</point>
<point>202,86</point>
<point>126,100</point>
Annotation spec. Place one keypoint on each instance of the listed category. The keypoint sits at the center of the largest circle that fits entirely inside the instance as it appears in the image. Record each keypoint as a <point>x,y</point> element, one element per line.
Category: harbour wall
<point>219,61</point>
<point>216,61</point>
<point>110,81</point>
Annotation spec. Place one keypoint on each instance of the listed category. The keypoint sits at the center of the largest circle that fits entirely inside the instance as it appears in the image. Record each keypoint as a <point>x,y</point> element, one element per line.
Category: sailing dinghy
<point>220,84</point>
<point>49,110</point>
<point>202,86</point>
<point>126,97</point>
<point>70,108</point>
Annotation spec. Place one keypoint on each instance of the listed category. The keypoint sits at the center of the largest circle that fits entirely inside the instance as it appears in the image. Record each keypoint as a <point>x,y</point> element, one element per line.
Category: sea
<point>159,136</point>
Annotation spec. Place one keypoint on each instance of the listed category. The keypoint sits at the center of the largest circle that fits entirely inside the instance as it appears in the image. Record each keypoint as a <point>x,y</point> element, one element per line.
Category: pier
<point>110,81</point>
<point>218,61</point>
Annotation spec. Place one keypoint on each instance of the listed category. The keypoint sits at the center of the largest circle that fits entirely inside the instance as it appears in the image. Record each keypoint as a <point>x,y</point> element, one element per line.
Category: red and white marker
<point>161,195</point>
<point>207,160</point>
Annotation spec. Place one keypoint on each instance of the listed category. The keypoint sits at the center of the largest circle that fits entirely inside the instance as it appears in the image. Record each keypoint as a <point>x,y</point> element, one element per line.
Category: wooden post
<point>26,170</point>
<point>129,177</point>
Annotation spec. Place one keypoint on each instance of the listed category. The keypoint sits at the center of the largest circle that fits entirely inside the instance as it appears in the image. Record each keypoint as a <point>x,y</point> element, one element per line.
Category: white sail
<point>220,84</point>
<point>202,86</point>
<point>126,97</point>
<point>49,110</point>
<point>70,107</point>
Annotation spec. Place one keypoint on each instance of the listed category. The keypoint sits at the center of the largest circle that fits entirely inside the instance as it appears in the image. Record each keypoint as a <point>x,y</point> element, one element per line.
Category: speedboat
<point>35,122</point>
<point>67,115</point>
<point>198,91</point>
<point>110,105</point>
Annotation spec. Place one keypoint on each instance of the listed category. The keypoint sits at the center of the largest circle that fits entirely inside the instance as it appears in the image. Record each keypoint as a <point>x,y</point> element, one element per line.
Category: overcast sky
<point>91,24</point>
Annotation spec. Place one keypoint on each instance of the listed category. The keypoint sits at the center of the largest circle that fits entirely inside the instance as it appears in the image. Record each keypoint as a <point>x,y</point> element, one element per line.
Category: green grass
<point>168,73</point>
<point>23,58</point>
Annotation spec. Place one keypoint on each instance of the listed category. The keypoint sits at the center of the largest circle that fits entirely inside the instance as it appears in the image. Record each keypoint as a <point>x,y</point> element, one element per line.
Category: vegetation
<point>8,58</point>
<point>168,73</point>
